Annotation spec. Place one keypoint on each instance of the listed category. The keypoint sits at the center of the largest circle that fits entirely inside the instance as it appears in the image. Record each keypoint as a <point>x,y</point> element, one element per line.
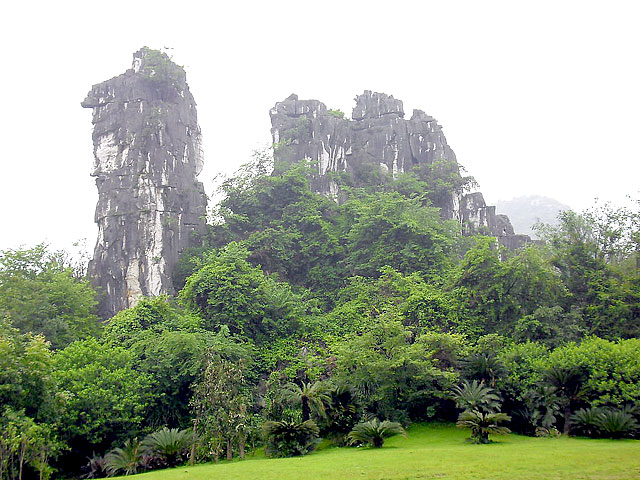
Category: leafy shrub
<point>289,439</point>
<point>374,432</point>
<point>95,468</point>
<point>547,432</point>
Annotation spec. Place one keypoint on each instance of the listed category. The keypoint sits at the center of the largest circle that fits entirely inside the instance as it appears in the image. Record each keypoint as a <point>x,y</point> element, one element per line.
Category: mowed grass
<point>438,452</point>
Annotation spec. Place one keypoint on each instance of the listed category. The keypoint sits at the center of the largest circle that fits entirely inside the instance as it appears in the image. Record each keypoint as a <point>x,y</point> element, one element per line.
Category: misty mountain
<point>525,212</point>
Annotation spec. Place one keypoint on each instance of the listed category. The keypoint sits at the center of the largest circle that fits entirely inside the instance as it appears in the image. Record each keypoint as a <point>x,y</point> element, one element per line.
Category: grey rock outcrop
<point>147,155</point>
<point>376,140</point>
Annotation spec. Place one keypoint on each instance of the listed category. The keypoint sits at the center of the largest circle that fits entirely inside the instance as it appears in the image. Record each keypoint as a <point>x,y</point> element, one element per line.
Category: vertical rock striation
<point>377,140</point>
<point>147,155</point>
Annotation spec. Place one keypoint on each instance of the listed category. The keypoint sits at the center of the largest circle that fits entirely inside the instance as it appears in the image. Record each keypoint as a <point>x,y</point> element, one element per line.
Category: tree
<point>594,252</point>
<point>170,345</point>
<point>105,398</point>
<point>227,290</point>
<point>392,375</point>
<point>341,413</point>
<point>389,229</point>
<point>40,294</point>
<point>26,367</point>
<point>25,443</point>
<point>219,406</point>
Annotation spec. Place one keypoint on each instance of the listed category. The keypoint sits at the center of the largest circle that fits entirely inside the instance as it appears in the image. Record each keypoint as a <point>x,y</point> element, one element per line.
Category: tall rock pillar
<point>147,155</point>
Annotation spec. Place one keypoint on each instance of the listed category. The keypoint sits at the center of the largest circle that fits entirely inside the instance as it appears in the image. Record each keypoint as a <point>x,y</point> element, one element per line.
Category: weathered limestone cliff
<point>147,155</point>
<point>377,139</point>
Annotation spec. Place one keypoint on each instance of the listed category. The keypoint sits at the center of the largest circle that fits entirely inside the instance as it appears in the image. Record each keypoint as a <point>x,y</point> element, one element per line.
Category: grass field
<point>437,452</point>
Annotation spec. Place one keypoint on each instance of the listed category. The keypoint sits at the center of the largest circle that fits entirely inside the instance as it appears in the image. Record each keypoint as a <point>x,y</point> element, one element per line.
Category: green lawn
<point>437,451</point>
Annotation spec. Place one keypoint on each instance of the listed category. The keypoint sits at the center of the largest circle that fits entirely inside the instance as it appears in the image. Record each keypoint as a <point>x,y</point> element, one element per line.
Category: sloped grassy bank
<point>437,451</point>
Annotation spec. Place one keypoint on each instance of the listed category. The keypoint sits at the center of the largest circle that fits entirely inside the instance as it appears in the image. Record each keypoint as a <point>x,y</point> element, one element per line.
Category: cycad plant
<point>615,423</point>
<point>567,382</point>
<point>170,444</point>
<point>312,396</point>
<point>483,366</point>
<point>374,432</point>
<point>341,415</point>
<point>586,421</point>
<point>289,439</point>
<point>605,422</point>
<point>476,396</point>
<point>125,460</point>
<point>482,424</point>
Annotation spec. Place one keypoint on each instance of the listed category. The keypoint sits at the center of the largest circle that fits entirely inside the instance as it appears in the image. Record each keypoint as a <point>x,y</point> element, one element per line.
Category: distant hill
<point>524,212</point>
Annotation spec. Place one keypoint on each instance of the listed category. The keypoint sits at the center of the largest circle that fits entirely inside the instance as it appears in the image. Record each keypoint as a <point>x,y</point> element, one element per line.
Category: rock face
<point>377,140</point>
<point>147,154</point>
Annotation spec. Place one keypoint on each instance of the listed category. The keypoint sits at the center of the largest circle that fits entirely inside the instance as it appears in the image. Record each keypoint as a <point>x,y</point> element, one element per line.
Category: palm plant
<point>170,444</point>
<point>125,460</point>
<point>482,424</point>
<point>341,414</point>
<point>312,397</point>
<point>483,366</point>
<point>374,432</point>
<point>288,439</point>
<point>475,396</point>
<point>567,382</point>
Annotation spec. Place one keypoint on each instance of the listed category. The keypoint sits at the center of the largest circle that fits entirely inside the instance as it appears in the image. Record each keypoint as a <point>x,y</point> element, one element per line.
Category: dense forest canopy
<point>308,316</point>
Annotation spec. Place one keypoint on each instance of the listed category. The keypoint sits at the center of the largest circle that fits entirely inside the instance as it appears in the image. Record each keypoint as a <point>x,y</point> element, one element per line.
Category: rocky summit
<point>147,155</point>
<point>377,140</point>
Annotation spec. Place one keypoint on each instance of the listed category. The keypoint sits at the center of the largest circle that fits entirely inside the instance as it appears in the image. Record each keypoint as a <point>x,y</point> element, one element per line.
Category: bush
<point>95,467</point>
<point>290,439</point>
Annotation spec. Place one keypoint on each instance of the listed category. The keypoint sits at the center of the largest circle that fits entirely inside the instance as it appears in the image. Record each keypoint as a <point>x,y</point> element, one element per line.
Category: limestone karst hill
<point>147,156</point>
<point>378,139</point>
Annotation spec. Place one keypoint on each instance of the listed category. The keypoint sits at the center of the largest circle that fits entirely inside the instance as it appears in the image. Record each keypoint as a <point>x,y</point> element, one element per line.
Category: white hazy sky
<point>535,97</point>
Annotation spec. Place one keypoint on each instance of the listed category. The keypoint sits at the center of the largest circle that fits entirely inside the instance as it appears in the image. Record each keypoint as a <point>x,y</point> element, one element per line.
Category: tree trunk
<point>43,463</point>
<point>192,455</point>
<point>567,419</point>
<point>306,411</point>
<point>23,451</point>
<point>241,448</point>
<point>229,449</point>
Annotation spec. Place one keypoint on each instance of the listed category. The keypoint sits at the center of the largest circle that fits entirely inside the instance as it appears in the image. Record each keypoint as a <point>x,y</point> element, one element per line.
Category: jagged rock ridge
<point>147,155</point>
<point>377,137</point>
